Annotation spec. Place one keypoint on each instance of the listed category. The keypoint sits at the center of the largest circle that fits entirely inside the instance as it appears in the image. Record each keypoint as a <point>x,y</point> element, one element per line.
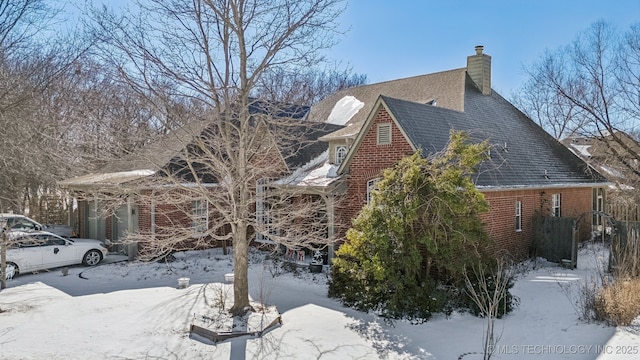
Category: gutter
<point>542,187</point>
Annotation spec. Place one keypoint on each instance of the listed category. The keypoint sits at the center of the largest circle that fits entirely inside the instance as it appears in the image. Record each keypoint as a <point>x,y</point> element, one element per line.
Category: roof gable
<point>522,155</point>
<point>366,128</point>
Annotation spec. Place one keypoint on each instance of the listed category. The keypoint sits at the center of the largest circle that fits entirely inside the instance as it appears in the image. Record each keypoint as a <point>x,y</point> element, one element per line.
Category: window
<point>21,224</point>
<point>384,134</point>
<point>555,205</point>
<point>518,215</point>
<point>341,153</point>
<point>263,213</point>
<point>371,186</point>
<point>200,221</point>
<point>52,241</point>
<point>599,206</point>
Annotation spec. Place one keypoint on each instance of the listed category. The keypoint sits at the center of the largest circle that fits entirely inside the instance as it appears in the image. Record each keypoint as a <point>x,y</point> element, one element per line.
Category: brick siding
<point>369,162</point>
<point>501,221</point>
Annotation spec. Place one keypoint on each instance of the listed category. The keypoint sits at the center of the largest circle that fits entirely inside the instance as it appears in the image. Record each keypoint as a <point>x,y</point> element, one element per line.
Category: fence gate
<point>556,239</point>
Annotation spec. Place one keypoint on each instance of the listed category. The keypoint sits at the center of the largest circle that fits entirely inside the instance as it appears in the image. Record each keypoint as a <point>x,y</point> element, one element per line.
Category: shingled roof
<point>445,88</point>
<point>428,106</point>
<point>522,155</point>
<point>301,147</point>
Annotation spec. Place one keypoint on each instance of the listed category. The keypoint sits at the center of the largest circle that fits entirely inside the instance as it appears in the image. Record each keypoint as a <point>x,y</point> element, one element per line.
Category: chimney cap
<point>479,49</point>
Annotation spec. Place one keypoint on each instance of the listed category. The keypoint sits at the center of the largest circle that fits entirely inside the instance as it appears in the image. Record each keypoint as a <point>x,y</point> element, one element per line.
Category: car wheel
<point>92,258</point>
<point>15,268</point>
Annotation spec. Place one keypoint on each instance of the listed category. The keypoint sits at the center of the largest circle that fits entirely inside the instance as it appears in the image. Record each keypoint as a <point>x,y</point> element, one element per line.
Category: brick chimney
<point>479,70</point>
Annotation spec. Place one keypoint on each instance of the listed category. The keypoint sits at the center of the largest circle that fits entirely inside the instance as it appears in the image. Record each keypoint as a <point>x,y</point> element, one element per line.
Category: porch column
<point>70,219</point>
<point>132,250</point>
<point>329,199</point>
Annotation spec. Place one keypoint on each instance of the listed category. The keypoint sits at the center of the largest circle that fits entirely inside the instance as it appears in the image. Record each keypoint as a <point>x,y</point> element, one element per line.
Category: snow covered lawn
<point>134,310</point>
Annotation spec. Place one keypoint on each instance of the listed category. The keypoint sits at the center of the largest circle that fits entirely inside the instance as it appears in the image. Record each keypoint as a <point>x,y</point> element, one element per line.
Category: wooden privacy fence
<point>625,248</point>
<point>623,208</point>
<point>556,240</point>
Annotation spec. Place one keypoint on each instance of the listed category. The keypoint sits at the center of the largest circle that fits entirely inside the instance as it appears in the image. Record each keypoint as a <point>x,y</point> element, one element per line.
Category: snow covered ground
<point>124,310</point>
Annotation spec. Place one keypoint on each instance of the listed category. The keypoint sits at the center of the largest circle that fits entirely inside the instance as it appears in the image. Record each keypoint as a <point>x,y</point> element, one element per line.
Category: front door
<point>95,220</point>
<point>121,224</point>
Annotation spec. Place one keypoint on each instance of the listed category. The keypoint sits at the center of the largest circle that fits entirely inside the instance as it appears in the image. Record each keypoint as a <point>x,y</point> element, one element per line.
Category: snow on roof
<point>622,187</point>
<point>344,110</point>
<point>583,150</point>
<point>612,171</point>
<point>321,176</point>
<point>112,178</point>
<point>316,172</point>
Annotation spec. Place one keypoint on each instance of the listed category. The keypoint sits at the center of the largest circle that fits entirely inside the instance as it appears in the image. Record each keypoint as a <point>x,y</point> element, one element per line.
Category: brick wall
<point>501,222</point>
<point>369,162</point>
<point>173,215</point>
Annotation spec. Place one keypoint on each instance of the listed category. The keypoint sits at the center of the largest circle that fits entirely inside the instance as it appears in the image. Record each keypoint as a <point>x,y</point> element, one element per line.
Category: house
<point>136,194</point>
<point>370,128</point>
<point>529,173</point>
<point>614,156</point>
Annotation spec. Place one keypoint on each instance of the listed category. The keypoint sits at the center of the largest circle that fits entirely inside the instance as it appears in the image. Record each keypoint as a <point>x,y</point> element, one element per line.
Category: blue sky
<point>393,39</point>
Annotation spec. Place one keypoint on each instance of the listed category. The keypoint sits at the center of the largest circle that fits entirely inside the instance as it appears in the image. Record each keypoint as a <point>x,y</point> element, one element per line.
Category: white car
<point>39,250</point>
<point>15,222</point>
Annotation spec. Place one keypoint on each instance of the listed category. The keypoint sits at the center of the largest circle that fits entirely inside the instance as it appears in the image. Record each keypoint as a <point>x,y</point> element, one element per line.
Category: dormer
<point>338,150</point>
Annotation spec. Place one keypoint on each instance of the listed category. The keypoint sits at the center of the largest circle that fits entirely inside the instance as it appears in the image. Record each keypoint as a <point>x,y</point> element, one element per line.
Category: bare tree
<point>489,290</point>
<point>308,87</point>
<point>552,112</point>
<point>31,60</point>
<point>590,88</point>
<point>211,55</point>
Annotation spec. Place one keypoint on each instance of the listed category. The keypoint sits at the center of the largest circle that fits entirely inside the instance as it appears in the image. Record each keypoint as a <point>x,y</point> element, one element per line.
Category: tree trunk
<point>3,259</point>
<point>240,272</point>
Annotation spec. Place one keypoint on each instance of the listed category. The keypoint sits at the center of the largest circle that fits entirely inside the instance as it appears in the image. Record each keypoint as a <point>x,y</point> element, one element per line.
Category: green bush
<point>416,237</point>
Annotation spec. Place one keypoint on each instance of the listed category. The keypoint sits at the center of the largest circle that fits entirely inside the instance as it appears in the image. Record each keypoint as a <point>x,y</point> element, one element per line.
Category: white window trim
<point>386,127</point>
<point>200,220</point>
<point>341,154</point>
<point>262,213</point>
<point>518,216</point>
<point>556,205</point>
<point>371,185</point>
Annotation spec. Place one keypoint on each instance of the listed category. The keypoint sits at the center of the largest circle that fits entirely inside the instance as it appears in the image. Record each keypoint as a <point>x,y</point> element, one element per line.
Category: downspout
<point>153,215</point>
<point>329,199</point>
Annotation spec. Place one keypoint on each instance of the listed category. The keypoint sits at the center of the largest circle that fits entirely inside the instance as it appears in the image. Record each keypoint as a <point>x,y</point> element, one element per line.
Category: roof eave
<point>542,186</point>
